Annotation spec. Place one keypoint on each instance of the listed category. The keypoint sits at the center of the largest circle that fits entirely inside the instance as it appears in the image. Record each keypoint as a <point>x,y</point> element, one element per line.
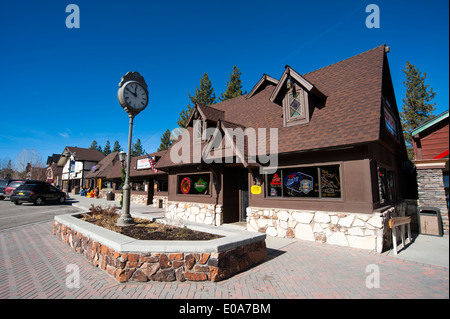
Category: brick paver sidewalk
<point>33,265</point>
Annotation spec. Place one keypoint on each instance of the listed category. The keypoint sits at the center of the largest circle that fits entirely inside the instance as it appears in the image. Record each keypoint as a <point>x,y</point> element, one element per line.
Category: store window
<point>163,186</point>
<point>305,182</point>
<point>194,184</point>
<point>386,185</point>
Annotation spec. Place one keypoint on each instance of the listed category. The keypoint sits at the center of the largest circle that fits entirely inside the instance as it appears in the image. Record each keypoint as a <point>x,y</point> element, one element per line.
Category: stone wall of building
<point>134,198</point>
<point>158,199</point>
<point>365,231</point>
<point>432,193</point>
<point>156,266</point>
<point>209,214</point>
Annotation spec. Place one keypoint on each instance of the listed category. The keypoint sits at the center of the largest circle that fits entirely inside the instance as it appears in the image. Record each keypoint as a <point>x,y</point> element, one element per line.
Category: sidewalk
<point>36,264</point>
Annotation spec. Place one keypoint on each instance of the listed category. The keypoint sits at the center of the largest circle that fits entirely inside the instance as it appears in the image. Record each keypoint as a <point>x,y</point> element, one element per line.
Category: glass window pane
<point>194,184</point>
<point>330,181</point>
<point>274,184</point>
<point>300,182</point>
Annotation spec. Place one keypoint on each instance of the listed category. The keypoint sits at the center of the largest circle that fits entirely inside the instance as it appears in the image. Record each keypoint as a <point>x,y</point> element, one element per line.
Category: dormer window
<point>295,94</point>
<point>295,105</point>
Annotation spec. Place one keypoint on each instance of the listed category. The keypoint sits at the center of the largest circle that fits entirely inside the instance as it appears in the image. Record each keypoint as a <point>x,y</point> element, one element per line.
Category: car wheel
<point>39,201</point>
<point>17,202</point>
<point>61,199</point>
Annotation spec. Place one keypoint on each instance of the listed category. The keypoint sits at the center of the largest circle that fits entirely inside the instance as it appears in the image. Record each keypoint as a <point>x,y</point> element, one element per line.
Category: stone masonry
<point>431,192</point>
<point>209,214</point>
<point>155,266</point>
<point>364,231</point>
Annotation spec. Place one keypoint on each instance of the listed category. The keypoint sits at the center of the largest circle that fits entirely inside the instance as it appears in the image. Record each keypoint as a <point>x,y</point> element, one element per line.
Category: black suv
<point>37,193</point>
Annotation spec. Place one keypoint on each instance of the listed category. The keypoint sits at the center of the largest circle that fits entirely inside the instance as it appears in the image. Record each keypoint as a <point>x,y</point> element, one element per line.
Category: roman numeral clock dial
<point>132,94</point>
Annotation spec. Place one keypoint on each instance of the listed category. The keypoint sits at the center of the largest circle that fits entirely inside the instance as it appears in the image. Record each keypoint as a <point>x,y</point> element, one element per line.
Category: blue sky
<point>59,86</point>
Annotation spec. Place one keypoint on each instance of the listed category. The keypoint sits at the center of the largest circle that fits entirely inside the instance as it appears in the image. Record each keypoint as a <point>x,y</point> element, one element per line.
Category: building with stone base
<point>317,156</point>
<point>430,142</point>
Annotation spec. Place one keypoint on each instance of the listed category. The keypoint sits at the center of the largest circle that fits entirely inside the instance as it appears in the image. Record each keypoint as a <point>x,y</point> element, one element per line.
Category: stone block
<point>367,242</point>
<point>304,218</point>
<point>337,238</point>
<point>304,232</point>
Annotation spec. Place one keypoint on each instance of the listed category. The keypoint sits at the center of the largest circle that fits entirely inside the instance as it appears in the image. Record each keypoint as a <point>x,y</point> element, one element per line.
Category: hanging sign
<point>256,189</point>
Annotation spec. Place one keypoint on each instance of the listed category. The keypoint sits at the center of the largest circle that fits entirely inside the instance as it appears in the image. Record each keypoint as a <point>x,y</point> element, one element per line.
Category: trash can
<point>430,221</point>
<point>110,195</point>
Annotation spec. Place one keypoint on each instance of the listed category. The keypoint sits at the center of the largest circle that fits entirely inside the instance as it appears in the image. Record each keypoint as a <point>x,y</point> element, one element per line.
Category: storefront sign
<point>390,122</point>
<point>299,183</point>
<point>256,189</point>
<point>185,185</point>
<point>144,163</point>
<point>276,181</point>
<point>201,185</point>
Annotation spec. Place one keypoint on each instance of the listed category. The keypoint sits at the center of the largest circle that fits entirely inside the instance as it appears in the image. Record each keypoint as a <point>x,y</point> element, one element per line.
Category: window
<point>295,106</point>
<point>163,185</point>
<point>194,184</point>
<point>295,103</point>
<point>386,185</point>
<point>305,182</point>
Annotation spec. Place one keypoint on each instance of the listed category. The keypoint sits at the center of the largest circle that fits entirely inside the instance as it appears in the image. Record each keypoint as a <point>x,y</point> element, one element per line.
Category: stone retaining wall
<point>364,231</point>
<point>155,266</point>
<point>208,214</point>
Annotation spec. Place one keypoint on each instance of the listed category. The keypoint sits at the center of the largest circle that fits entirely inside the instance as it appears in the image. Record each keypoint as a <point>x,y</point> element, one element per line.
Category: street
<point>19,215</point>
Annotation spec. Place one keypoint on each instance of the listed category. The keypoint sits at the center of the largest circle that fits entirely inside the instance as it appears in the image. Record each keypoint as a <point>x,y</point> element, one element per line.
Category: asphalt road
<point>19,215</point>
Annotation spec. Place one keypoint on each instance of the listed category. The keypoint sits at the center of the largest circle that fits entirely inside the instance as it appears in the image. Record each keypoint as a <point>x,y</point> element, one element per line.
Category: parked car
<point>37,193</point>
<point>10,185</point>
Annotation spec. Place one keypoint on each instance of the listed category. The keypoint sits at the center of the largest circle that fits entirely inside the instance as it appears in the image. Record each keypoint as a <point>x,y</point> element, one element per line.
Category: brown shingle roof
<point>351,114</point>
<point>103,167</point>
<point>116,170</point>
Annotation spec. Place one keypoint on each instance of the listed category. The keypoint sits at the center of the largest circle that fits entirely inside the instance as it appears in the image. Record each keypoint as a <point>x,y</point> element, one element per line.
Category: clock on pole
<point>133,97</point>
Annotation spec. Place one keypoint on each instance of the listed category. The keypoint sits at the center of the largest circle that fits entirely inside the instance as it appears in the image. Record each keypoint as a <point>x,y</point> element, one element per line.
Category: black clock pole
<point>125,218</point>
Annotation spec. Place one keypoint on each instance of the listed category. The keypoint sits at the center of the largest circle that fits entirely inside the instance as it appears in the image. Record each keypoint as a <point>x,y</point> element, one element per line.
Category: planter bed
<point>127,259</point>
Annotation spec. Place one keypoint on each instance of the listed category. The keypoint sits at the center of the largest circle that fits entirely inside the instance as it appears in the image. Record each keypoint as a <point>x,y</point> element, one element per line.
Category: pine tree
<point>205,94</point>
<point>184,116</point>
<point>107,148</point>
<point>165,141</point>
<point>137,149</point>
<point>95,146</point>
<point>416,107</point>
<point>234,86</point>
<point>116,147</point>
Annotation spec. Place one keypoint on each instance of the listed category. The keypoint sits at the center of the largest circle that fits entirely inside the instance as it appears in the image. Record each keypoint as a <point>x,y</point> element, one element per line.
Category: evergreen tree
<point>137,149</point>
<point>184,116</point>
<point>107,148</point>
<point>116,147</point>
<point>95,146</point>
<point>416,107</point>
<point>234,86</point>
<point>165,141</point>
<point>205,94</point>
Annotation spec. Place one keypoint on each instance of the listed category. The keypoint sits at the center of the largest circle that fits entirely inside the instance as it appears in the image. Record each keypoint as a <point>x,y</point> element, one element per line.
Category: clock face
<point>135,96</point>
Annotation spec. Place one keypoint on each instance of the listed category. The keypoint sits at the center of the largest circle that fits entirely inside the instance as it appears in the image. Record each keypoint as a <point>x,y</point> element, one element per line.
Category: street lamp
<point>133,97</point>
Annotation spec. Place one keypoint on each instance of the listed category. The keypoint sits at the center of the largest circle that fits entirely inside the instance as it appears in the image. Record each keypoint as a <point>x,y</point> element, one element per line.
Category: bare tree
<point>30,158</point>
